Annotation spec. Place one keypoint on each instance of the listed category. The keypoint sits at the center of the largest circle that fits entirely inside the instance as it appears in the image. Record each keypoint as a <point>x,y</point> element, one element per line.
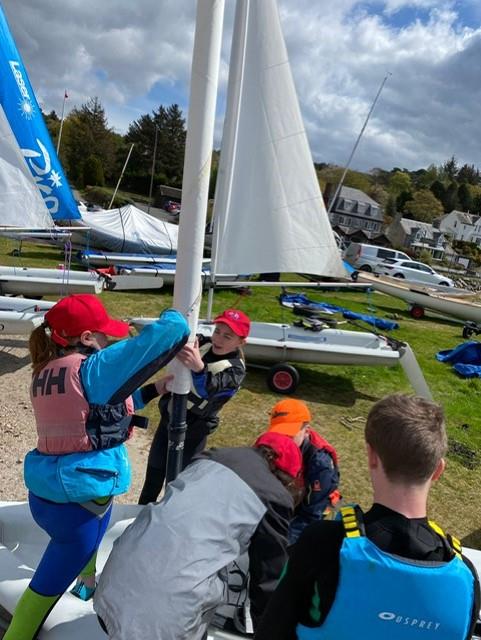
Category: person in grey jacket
<point>166,573</point>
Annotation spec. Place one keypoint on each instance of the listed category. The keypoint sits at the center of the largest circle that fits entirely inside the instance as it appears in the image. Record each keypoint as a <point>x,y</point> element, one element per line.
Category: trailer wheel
<point>283,378</point>
<point>467,331</point>
<point>416,312</point>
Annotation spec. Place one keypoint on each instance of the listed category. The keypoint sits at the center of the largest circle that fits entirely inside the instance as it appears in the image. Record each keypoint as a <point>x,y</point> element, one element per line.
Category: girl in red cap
<point>83,397</point>
<point>218,369</point>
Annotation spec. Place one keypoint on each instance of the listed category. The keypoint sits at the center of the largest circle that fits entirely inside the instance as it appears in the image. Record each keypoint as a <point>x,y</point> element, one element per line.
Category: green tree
<point>168,125</point>
<point>439,191</point>
<point>390,209</point>
<point>402,198</point>
<point>379,194</point>
<point>93,173</point>
<point>451,200</point>
<point>449,170</point>
<point>86,133</point>
<point>469,174</point>
<point>399,182</point>
<point>424,206</point>
<point>424,178</point>
<point>465,197</point>
<point>354,179</point>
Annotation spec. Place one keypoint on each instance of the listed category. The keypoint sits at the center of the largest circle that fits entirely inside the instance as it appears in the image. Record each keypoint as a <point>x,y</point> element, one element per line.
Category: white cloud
<point>135,56</point>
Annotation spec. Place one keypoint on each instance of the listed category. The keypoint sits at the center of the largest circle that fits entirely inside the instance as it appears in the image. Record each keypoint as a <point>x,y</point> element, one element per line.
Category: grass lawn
<point>337,392</point>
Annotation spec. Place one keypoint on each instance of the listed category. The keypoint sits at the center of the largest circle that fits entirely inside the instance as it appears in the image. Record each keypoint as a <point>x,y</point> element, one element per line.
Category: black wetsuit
<point>211,389</point>
<point>313,568</point>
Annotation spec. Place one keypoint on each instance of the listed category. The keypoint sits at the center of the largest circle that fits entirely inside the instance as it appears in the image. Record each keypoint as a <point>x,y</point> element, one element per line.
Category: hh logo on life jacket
<point>47,381</point>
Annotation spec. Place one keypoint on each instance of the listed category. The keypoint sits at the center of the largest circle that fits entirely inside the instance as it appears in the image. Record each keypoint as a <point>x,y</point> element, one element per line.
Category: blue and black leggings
<point>75,531</point>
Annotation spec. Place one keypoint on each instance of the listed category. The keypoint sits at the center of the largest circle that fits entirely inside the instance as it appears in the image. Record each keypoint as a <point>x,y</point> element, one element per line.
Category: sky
<point>135,56</point>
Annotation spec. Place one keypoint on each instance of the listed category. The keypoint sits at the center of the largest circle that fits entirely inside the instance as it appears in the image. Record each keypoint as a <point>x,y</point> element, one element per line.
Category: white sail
<point>21,203</point>
<point>269,214</point>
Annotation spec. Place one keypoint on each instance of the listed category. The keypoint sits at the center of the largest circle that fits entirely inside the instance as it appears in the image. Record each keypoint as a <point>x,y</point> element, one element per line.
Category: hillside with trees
<point>93,155</point>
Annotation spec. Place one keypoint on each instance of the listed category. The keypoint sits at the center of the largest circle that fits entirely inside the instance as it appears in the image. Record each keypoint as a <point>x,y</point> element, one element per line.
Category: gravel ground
<point>17,425</point>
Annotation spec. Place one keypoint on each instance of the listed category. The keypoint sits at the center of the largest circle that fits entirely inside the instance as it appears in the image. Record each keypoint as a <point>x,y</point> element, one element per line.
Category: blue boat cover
<point>302,299</point>
<point>465,358</point>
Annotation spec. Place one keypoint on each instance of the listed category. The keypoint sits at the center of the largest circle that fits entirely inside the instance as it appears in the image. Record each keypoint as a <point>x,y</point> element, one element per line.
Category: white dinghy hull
<point>445,301</point>
<point>20,316</point>
<point>33,282</point>
<point>22,544</point>
<point>269,343</point>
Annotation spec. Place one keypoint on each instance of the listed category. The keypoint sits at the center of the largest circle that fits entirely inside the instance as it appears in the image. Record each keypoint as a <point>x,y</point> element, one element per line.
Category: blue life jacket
<point>381,595</point>
<point>78,477</point>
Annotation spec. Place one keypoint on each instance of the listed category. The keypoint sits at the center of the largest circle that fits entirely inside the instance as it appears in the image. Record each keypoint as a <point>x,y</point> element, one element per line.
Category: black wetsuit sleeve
<point>316,553</point>
<point>267,556</point>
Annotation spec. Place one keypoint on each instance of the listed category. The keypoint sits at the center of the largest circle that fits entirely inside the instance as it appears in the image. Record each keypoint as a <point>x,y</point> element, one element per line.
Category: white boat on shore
<point>29,281</point>
<point>22,544</point>
<point>457,303</point>
<point>20,316</point>
<point>275,346</point>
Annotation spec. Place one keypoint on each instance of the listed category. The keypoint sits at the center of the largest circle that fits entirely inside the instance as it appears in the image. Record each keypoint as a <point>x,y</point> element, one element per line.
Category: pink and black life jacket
<point>66,422</point>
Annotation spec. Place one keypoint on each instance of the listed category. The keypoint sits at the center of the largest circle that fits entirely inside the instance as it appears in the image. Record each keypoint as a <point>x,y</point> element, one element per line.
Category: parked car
<point>365,257</point>
<point>172,207</point>
<point>413,271</point>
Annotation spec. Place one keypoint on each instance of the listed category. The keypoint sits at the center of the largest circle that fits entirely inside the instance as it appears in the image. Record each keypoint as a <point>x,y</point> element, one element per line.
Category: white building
<point>461,226</point>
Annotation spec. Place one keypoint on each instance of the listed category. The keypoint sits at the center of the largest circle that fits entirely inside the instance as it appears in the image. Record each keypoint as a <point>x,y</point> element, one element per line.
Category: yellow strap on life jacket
<point>454,543</point>
<point>349,520</point>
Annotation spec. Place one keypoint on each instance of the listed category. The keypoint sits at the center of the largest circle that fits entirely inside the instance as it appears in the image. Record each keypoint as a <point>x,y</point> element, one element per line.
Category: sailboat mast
<point>229,135</point>
<point>348,164</point>
<point>195,191</point>
<point>121,176</point>
<point>65,96</point>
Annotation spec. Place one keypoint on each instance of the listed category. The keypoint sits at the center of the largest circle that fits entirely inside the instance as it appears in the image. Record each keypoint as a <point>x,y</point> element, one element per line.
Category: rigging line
<point>339,186</point>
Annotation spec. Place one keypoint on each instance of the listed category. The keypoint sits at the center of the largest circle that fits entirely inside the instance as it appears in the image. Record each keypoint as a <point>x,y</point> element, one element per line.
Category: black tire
<point>416,312</point>
<point>444,284</point>
<point>283,378</point>
<point>399,275</point>
<point>467,332</point>
<point>366,267</point>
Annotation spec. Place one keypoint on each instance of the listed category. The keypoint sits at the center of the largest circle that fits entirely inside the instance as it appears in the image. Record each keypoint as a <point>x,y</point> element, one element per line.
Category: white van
<point>364,257</point>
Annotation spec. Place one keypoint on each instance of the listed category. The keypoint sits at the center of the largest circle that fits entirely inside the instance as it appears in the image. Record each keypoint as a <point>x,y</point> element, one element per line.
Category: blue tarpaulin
<point>303,300</point>
<point>465,358</point>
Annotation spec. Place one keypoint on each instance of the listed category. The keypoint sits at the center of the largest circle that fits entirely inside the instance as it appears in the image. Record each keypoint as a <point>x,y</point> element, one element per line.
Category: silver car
<point>413,271</point>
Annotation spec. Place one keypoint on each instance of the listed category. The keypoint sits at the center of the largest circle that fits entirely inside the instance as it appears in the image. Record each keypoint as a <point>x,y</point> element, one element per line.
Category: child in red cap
<point>291,417</point>
<point>218,370</point>
<point>83,395</point>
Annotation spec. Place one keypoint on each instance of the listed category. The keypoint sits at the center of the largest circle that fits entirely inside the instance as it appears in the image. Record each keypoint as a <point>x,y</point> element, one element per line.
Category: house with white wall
<point>460,225</point>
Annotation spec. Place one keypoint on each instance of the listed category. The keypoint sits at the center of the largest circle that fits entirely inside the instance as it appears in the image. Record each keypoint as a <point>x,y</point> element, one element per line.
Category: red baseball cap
<point>289,457</point>
<point>236,320</point>
<point>77,313</point>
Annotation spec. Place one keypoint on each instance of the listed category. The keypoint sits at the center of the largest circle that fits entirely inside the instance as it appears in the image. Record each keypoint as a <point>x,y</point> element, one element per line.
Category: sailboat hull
<point>445,302</point>
<point>22,544</point>
<point>40,282</point>
<point>19,322</point>
<point>270,343</point>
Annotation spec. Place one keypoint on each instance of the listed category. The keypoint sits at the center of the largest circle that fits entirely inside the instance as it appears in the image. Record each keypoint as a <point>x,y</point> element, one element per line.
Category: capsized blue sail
<point>23,114</point>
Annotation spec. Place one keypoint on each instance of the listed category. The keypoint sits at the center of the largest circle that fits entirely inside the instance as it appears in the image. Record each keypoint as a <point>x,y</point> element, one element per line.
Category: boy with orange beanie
<point>320,467</point>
